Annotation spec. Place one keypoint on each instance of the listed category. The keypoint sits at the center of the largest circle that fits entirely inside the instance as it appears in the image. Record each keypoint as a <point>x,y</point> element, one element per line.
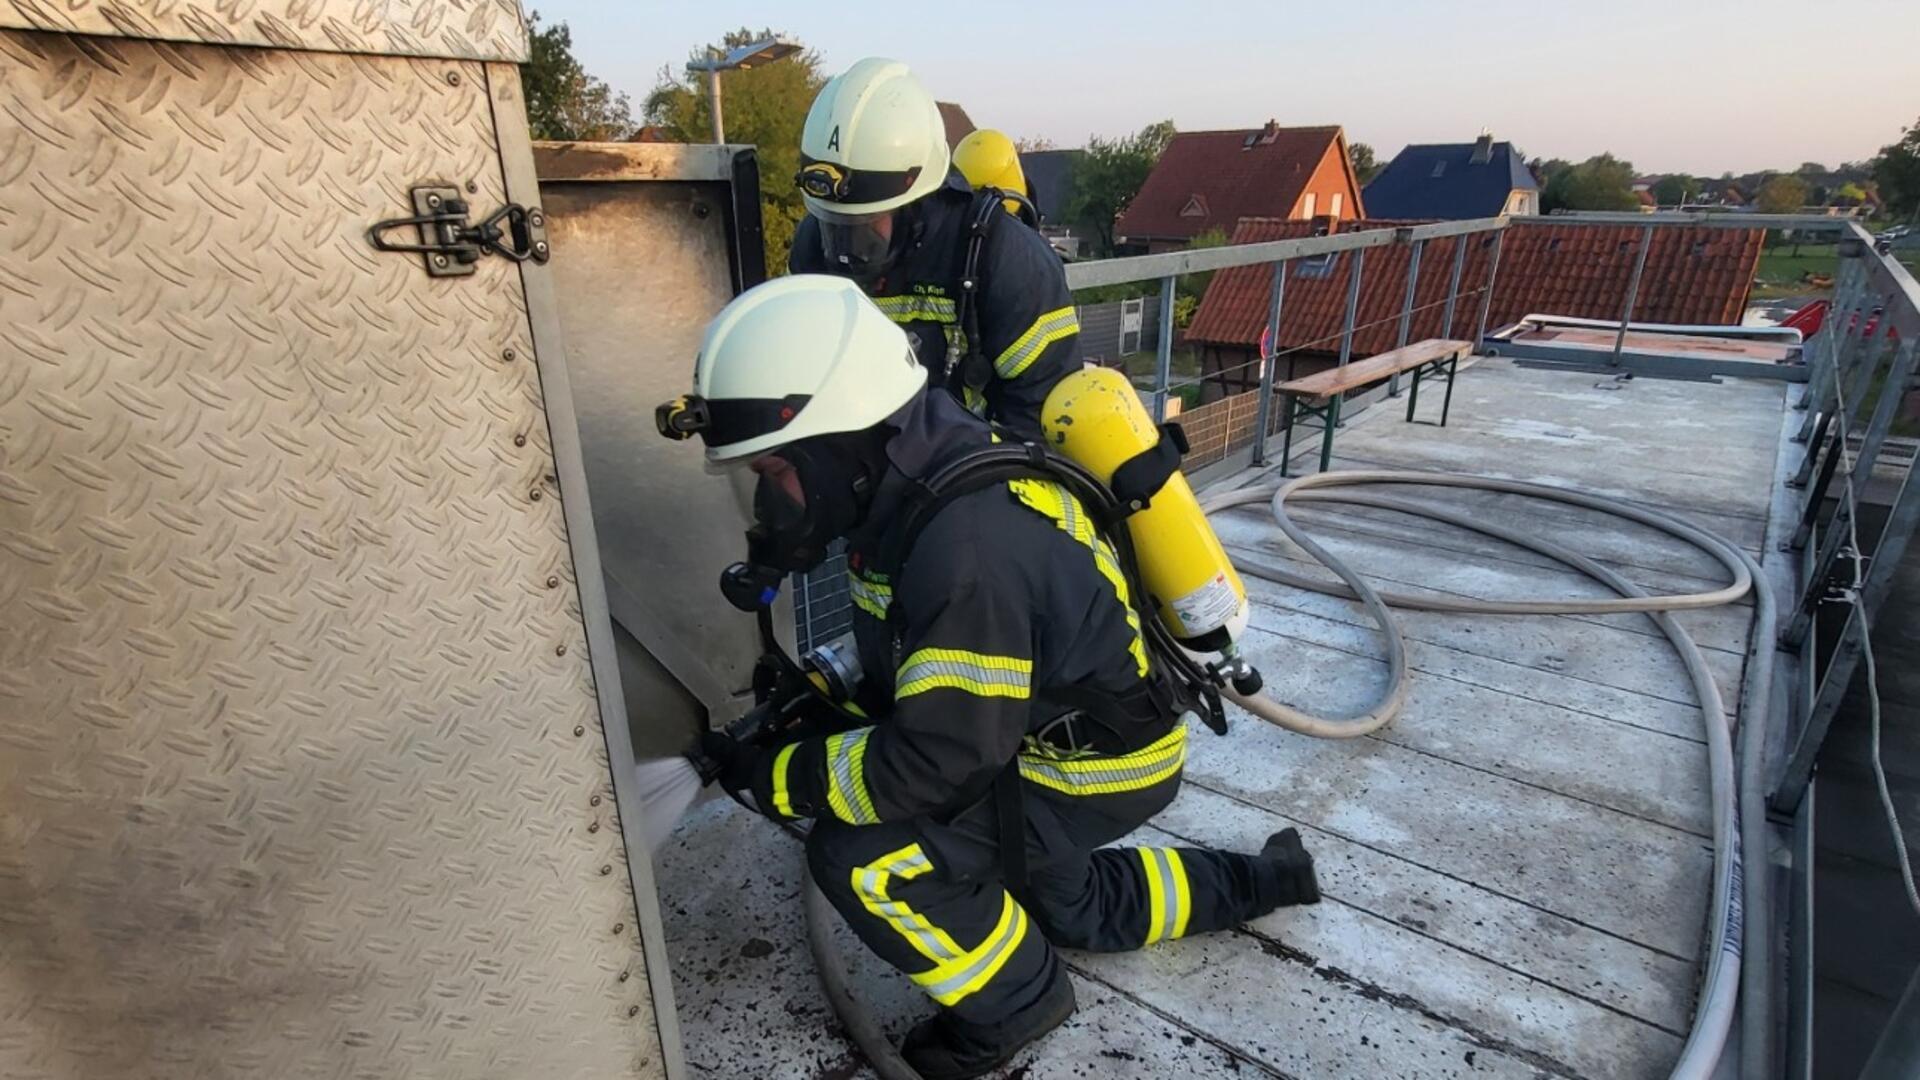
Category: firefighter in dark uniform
<point>885,209</point>
<point>1007,602</point>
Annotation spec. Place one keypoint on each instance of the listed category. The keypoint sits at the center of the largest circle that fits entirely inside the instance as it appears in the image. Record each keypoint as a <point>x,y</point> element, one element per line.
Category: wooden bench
<point>1319,394</point>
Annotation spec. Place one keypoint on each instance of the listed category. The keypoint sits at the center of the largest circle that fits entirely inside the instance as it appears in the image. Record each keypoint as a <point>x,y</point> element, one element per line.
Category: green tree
<point>764,105</point>
<point>1897,174</point>
<point>563,101</point>
<point>1783,194</point>
<point>1544,171</point>
<point>1675,190</point>
<point>1365,168</point>
<point>1849,194</point>
<point>1109,176</point>
<point>1598,183</point>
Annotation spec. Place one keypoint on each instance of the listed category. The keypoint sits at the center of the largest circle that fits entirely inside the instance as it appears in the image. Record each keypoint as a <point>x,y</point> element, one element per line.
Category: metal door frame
<point>549,345</point>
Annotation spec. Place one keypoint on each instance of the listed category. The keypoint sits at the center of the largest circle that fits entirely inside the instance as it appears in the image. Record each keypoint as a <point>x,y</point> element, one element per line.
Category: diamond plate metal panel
<point>301,771</point>
<point>461,29</point>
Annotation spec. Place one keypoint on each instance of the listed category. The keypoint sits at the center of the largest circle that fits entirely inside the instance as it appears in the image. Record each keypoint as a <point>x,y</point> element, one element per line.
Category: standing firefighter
<point>1009,683</point>
<point>982,297</point>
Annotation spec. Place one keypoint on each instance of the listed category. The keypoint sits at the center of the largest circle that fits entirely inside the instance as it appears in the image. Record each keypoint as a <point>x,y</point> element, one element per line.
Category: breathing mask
<point>808,494</point>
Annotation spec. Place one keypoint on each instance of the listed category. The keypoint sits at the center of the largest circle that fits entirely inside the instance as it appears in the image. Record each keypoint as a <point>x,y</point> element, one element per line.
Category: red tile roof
<point>1693,275</point>
<point>1228,180</point>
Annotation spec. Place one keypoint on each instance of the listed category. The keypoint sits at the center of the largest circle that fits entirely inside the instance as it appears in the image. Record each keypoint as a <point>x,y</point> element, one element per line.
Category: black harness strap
<point>1140,477</point>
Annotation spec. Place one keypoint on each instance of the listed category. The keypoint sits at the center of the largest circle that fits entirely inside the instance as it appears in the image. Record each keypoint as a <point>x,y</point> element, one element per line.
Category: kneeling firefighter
<point>982,297</point>
<point>1017,710</point>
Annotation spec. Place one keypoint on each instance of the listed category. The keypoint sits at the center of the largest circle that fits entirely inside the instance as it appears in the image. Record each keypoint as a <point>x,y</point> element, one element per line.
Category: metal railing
<point>1169,267</point>
<point>1868,342</point>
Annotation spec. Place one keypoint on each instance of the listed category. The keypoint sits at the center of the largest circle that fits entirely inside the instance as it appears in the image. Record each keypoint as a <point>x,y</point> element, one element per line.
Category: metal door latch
<point>450,245</point>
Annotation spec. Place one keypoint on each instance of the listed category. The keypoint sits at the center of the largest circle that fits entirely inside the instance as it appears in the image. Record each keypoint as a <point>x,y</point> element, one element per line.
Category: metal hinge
<point>450,246</point>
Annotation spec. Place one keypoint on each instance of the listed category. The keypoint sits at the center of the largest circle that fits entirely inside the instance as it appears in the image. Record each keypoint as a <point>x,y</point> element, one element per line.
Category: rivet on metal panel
<point>606,869</point>
<point>439,260</point>
<point>553,581</point>
<point>535,218</point>
<point>534,495</point>
<point>625,975</point>
<point>508,355</point>
<point>633,1010</point>
<point>472,187</point>
<point>701,210</point>
<point>519,440</point>
<point>433,200</point>
<point>579,731</point>
<point>559,650</point>
<point>619,926</point>
<point>453,78</point>
<point>540,249</point>
<point>593,826</point>
<point>594,801</point>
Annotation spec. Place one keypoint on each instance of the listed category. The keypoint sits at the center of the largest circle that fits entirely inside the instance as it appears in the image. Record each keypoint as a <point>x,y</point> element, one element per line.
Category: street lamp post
<point>767,51</point>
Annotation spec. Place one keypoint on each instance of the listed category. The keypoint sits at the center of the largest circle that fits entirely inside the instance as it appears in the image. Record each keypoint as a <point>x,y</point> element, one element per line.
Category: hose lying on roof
<point>1706,1041</point>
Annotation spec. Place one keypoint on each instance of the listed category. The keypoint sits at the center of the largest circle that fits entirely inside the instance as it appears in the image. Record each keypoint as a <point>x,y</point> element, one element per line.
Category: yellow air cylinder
<point>987,158</point>
<point>1095,418</point>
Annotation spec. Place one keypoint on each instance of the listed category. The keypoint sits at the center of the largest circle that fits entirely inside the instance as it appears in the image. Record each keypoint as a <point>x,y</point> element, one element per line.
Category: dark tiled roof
<point>1050,180</point>
<point>1692,276</point>
<point>959,124</point>
<point>1230,179</point>
<point>1409,188</point>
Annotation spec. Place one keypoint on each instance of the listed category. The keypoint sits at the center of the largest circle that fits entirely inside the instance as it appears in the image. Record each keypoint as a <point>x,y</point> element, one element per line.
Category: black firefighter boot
<point>1286,873</point>
<point>945,1047</point>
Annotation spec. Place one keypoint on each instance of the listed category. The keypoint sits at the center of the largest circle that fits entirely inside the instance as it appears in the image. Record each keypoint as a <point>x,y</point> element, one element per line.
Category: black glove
<point>749,770</point>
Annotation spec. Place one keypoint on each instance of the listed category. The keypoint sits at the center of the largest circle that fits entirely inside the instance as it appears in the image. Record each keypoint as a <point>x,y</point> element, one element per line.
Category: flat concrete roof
<point>1515,870</point>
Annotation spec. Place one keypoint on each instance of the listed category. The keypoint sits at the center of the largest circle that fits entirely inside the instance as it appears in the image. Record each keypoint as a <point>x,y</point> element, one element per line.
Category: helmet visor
<point>857,246</point>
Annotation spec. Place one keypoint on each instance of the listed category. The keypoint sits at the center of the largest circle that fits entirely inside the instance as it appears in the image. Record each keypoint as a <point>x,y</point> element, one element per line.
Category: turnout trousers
<point>928,897</point>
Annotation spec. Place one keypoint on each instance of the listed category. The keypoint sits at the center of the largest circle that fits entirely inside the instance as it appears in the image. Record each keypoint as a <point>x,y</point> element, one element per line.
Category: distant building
<point>959,124</point>
<point>1211,179</point>
<point>1455,181</point>
<point>1050,183</point>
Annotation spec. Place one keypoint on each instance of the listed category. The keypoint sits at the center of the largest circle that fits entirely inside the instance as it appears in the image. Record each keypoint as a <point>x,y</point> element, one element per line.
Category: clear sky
<point>1702,86</point>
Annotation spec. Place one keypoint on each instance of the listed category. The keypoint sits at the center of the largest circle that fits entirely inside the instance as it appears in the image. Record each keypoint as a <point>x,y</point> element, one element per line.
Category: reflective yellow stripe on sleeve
<point>1047,329</point>
<point>782,795</point>
<point>960,669</point>
<point>916,308</point>
<point>847,793</point>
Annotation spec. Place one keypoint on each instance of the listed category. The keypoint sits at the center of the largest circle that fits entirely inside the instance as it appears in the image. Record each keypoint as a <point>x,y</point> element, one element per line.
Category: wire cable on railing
<point>1901,858</point>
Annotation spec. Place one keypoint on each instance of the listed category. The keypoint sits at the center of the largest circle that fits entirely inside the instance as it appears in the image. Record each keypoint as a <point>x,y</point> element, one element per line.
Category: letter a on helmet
<point>873,142</point>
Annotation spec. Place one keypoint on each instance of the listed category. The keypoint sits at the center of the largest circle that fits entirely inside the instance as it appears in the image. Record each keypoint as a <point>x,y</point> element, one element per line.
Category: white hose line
<point>1707,1039</point>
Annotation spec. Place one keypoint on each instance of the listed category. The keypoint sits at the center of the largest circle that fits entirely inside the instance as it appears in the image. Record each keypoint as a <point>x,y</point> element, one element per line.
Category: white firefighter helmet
<point>797,357</point>
<point>873,142</point>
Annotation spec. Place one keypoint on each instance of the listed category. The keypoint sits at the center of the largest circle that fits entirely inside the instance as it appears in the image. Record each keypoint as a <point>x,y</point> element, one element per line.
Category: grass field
<point>1781,268</point>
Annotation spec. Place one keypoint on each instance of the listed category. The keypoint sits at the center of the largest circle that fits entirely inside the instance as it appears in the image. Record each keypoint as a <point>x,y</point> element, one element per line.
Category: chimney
<point>1270,132</point>
<point>1482,148</point>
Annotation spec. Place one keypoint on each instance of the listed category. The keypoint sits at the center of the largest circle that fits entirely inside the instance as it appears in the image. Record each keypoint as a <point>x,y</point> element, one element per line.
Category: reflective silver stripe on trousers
<point>1001,944</point>
<point>1169,890</point>
<point>873,886</point>
<point>975,672</point>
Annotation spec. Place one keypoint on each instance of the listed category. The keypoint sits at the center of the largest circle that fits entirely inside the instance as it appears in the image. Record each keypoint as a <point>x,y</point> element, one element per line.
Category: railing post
<point>1357,267</point>
<point>1902,517</point>
<point>1163,359</point>
<point>1486,301</point>
<point>1263,415</point>
<point>1406,310</point>
<point>1633,293</point>
<point>1453,285</point>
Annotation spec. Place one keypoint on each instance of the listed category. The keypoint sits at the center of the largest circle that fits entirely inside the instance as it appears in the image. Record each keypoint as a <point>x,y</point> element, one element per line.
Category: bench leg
<point>1446,403</point>
<point>1286,441</point>
<point>1332,420</point>
<point>1413,396</point>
